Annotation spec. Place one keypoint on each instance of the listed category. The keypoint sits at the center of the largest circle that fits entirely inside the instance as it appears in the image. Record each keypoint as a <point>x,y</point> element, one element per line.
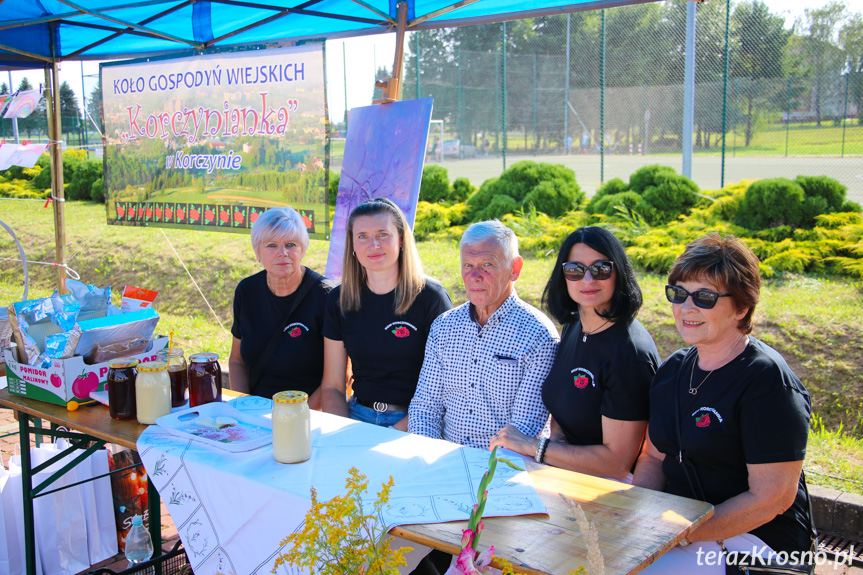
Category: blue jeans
<point>369,415</point>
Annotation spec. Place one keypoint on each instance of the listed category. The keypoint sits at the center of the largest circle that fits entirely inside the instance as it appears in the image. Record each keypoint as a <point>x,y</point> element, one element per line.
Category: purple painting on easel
<point>384,154</point>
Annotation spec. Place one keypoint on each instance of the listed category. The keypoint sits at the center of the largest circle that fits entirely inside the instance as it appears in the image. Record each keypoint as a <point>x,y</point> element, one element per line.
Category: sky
<point>359,56</point>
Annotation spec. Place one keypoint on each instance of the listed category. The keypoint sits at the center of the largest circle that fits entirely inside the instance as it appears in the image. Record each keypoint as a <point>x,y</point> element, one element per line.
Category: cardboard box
<point>66,379</point>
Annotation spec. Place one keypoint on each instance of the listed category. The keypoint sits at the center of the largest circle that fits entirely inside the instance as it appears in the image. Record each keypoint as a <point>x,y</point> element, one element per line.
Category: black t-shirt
<point>609,374</point>
<point>753,410</point>
<point>298,360</point>
<point>386,350</point>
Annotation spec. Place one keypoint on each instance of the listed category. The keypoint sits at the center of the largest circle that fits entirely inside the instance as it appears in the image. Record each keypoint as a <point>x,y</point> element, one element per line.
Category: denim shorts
<point>369,415</point>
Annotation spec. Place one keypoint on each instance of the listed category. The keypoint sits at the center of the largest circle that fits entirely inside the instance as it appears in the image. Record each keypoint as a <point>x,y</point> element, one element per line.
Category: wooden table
<point>91,422</point>
<point>635,525</point>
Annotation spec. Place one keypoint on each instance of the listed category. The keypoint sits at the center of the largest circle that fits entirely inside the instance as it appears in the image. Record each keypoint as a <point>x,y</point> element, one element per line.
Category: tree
<point>759,40</point>
<point>69,110</point>
<point>851,43</point>
<point>94,105</point>
<point>820,50</point>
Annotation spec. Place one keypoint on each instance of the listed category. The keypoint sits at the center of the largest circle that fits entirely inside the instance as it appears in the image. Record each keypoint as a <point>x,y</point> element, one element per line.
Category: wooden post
<point>392,86</point>
<point>52,96</point>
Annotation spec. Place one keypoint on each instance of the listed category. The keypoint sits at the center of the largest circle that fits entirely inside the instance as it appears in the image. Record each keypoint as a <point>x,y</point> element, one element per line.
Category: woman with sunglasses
<point>728,418</point>
<point>597,390</point>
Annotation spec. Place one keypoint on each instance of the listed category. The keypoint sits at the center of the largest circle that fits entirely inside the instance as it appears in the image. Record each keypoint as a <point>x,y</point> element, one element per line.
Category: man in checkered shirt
<point>486,360</point>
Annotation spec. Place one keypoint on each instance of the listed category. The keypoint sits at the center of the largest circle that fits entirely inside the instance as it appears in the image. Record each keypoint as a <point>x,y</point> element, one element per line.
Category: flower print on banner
<point>582,378</point>
<point>706,416</point>
<point>157,212</point>
<point>239,216</point>
<point>180,213</point>
<point>401,329</point>
<point>121,211</point>
<point>195,214</point>
<point>254,214</point>
<point>223,216</point>
<point>308,219</point>
<point>168,212</point>
<point>296,329</point>
<point>210,215</point>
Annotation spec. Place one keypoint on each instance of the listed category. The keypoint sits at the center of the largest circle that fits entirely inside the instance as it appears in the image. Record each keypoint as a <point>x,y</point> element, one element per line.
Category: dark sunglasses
<point>703,298</point>
<point>574,271</point>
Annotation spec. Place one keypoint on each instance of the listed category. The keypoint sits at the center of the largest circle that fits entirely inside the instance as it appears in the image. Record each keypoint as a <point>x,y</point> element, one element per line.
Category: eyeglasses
<point>705,299</point>
<point>574,271</point>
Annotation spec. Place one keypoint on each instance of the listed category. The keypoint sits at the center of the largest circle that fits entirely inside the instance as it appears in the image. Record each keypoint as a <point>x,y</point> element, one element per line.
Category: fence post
<point>345,80</point>
<point>535,127</point>
<point>417,50</point>
<point>788,117</point>
<point>725,92</point>
<point>846,73</point>
<point>602,103</point>
<point>459,97</point>
<point>566,86</point>
<point>503,89</point>
<point>689,90</point>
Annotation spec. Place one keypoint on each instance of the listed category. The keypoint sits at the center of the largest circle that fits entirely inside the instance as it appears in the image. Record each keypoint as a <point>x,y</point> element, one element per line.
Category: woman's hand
<point>511,438</point>
<point>333,384</point>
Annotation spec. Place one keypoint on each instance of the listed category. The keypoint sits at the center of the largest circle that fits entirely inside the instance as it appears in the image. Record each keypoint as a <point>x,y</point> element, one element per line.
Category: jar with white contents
<point>291,428</point>
<point>152,391</point>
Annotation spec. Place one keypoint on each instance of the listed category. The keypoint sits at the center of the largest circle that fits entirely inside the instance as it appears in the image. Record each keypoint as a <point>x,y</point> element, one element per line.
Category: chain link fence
<point>602,92</point>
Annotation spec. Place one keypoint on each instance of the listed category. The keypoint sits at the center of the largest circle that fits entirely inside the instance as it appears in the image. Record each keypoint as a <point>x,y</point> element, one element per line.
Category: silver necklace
<point>587,333</point>
<point>694,390</point>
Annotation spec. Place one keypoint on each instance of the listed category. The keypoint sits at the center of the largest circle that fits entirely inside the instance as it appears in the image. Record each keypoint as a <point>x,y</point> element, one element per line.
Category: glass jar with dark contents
<point>122,374</point>
<point>205,379</point>
<point>178,371</point>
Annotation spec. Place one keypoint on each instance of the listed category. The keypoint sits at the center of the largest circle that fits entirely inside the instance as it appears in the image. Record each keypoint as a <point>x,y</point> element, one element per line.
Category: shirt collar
<point>499,314</point>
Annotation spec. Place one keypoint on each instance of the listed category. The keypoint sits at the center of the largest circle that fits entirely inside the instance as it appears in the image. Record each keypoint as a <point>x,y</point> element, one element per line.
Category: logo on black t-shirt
<point>582,378</point>
<point>702,416</point>
<point>296,329</point>
<point>400,328</point>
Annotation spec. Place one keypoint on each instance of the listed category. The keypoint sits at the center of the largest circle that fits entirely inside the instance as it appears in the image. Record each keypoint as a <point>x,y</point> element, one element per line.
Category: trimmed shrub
<point>461,189</point>
<point>334,187</point>
<point>645,177</point>
<point>434,186</point>
<point>97,191</point>
<point>430,218</point>
<point>610,188</point>
<point>771,203</point>
<point>84,175</point>
<point>832,191</point>
<point>550,188</point>
<point>671,196</point>
<point>607,204</point>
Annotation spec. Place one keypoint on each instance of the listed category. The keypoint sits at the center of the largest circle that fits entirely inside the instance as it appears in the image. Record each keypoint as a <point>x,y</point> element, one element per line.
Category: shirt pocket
<point>507,374</point>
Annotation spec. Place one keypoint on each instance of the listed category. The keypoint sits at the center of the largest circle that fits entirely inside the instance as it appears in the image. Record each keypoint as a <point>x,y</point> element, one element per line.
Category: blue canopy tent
<point>42,33</point>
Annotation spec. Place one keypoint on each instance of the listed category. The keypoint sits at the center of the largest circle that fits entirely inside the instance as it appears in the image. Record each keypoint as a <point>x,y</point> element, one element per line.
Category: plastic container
<point>120,384</point>
<point>152,391</point>
<point>291,428</point>
<point>178,371</point>
<point>205,379</point>
<point>139,546</point>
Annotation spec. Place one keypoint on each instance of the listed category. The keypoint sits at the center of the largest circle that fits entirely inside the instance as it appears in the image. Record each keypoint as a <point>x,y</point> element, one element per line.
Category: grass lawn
<point>814,323</point>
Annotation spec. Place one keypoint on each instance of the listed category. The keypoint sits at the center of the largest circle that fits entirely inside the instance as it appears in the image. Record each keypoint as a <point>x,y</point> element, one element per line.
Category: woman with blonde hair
<point>379,318</point>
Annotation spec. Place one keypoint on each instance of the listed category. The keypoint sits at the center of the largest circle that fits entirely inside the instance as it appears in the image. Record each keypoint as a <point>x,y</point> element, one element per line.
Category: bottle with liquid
<point>178,371</point>
<point>139,546</point>
<point>205,379</point>
<point>152,391</point>
<point>291,427</point>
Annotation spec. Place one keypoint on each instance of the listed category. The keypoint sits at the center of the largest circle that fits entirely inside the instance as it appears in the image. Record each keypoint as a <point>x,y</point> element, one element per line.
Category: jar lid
<point>175,352</point>
<point>149,366</point>
<point>291,397</point>
<point>123,362</point>
<point>203,357</point>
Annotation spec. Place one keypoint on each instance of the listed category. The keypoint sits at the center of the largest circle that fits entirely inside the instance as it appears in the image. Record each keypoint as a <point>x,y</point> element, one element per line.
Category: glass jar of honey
<point>291,427</point>
<point>205,379</point>
<point>178,372</point>
<point>122,374</point>
<point>152,391</point>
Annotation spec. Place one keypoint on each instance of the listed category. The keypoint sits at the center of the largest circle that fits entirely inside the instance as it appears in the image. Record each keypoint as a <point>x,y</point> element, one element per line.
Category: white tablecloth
<point>233,509</point>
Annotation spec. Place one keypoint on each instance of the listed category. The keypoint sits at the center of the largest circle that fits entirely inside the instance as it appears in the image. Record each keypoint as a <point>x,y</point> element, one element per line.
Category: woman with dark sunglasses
<point>728,418</point>
<point>597,390</point>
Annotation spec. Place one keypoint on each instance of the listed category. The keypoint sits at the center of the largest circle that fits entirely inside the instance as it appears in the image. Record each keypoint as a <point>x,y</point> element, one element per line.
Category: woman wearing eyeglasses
<point>597,390</point>
<point>728,418</point>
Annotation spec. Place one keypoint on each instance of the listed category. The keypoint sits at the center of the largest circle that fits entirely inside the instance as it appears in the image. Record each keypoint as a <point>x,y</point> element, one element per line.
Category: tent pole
<point>392,86</point>
<point>54,134</point>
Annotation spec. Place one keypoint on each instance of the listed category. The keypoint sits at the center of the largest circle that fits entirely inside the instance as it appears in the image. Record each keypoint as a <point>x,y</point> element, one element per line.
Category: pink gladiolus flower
<point>469,562</point>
